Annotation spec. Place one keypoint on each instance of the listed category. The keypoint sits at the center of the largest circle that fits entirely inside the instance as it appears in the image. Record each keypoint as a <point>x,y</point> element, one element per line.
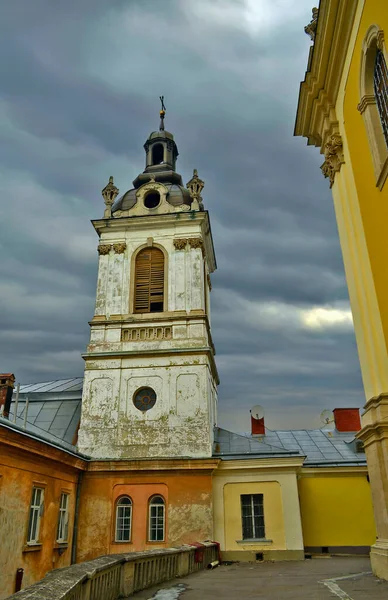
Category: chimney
<point>257,421</point>
<point>347,419</point>
<point>7,381</point>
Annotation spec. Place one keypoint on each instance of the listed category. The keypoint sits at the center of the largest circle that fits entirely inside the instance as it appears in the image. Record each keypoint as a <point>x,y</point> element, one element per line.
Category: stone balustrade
<point>118,575</point>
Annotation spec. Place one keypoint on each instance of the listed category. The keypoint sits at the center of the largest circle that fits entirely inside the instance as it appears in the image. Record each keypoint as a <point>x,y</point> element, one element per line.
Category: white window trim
<point>118,507</point>
<point>35,512</point>
<point>374,38</point>
<point>63,520</point>
<point>150,506</point>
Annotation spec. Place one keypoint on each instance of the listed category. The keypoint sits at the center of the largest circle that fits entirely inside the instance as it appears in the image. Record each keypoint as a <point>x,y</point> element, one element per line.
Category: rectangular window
<point>36,512</point>
<point>157,522</point>
<point>63,521</point>
<point>252,515</point>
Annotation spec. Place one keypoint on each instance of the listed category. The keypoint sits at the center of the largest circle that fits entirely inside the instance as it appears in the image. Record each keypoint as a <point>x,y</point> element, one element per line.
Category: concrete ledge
<point>267,554</point>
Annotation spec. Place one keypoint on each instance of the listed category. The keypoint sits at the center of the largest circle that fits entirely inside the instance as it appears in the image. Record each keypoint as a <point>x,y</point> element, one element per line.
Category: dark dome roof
<point>125,202</point>
<point>176,196</point>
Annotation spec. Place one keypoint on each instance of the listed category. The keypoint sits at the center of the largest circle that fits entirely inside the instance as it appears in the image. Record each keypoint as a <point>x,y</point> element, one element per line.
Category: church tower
<point>150,385</point>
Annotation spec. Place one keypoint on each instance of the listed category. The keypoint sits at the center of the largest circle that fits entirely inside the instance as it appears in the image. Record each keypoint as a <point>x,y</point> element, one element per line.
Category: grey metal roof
<point>59,385</point>
<point>54,409</point>
<point>320,447</point>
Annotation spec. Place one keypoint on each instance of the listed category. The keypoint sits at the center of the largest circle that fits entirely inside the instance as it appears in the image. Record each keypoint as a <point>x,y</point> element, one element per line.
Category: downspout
<point>76,519</point>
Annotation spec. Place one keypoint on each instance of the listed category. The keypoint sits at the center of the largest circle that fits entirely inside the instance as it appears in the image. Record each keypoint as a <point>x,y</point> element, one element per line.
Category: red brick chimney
<point>257,421</point>
<point>7,381</point>
<point>347,419</point>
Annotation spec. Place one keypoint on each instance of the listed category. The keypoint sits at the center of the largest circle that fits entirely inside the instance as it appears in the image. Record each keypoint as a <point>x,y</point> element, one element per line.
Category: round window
<point>152,199</point>
<point>144,399</point>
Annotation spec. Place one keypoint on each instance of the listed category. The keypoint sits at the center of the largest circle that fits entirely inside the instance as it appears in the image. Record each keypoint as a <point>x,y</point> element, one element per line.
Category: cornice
<point>291,463</point>
<point>319,90</point>
<point>157,464</point>
<point>307,471</point>
<point>25,441</point>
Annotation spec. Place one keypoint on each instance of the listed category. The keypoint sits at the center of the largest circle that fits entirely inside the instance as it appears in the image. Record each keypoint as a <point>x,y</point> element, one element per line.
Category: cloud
<point>79,96</point>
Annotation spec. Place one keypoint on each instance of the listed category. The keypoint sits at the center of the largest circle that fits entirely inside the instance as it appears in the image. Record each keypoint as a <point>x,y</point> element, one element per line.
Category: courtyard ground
<point>348,578</point>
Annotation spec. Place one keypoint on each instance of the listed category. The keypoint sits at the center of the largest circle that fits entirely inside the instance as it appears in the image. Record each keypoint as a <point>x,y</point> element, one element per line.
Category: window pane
<point>252,516</point>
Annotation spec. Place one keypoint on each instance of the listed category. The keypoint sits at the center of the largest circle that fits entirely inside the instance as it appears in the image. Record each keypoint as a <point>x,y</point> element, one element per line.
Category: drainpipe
<point>76,519</point>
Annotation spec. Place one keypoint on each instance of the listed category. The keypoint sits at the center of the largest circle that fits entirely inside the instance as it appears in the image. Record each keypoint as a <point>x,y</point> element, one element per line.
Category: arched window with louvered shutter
<point>149,281</point>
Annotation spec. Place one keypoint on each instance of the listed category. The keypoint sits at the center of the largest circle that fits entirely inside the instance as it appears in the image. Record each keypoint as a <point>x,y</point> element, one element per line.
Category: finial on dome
<point>162,113</point>
<point>109,194</point>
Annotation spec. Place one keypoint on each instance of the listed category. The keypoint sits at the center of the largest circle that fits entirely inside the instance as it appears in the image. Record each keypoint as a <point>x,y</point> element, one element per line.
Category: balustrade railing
<point>119,575</point>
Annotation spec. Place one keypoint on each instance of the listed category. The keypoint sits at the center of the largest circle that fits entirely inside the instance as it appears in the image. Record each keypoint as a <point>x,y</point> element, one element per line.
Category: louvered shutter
<point>149,280</point>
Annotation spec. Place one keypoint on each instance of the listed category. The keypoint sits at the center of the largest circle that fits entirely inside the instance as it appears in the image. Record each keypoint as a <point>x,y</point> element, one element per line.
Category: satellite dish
<point>257,411</point>
<point>327,417</point>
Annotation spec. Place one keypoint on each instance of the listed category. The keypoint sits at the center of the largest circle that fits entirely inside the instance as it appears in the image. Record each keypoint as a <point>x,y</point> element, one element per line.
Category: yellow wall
<point>336,510</point>
<point>273,513</point>
<point>373,202</point>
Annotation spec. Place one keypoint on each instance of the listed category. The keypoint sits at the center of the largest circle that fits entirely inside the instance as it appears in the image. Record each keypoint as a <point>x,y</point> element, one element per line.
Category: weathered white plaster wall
<point>170,351</point>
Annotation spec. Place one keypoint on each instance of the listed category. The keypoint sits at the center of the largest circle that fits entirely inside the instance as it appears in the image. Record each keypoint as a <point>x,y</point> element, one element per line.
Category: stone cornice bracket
<point>311,28</point>
<point>180,243</point>
<point>109,193</point>
<point>103,249</point>
<point>334,157</point>
<point>119,248</point>
<point>195,187</point>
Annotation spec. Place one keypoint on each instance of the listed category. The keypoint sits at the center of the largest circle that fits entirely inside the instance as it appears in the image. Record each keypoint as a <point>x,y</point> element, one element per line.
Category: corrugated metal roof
<point>319,446</point>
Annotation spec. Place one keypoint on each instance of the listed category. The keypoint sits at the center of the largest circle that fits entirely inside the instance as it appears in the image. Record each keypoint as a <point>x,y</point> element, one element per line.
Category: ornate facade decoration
<point>119,248</point>
<point>195,187</point>
<point>196,243</point>
<point>146,334</point>
<point>104,249</point>
<point>180,243</point>
<point>109,194</point>
<point>334,157</point>
<point>380,40</point>
<point>311,28</point>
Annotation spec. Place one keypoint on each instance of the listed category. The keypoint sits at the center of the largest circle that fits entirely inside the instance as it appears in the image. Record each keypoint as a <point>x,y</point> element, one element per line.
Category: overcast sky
<point>80,82</point>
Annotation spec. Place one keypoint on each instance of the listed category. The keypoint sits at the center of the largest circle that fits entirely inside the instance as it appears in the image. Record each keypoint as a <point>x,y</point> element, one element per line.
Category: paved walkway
<point>315,579</point>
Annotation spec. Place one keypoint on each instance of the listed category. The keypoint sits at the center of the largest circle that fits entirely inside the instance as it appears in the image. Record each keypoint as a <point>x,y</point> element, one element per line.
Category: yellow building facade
<point>343,110</point>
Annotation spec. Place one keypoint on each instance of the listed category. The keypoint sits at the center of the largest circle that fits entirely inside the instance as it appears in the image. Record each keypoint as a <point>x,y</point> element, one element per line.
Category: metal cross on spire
<point>162,113</point>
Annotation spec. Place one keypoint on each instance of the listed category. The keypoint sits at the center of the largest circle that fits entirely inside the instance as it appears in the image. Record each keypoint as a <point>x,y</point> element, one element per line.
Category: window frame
<point>152,506</point>
<point>35,514</point>
<point>258,521</point>
<point>118,507</point>
<point>63,519</point>
<point>373,41</point>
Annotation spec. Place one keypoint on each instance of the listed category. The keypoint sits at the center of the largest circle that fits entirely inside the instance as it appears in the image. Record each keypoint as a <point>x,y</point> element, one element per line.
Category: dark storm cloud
<point>79,96</point>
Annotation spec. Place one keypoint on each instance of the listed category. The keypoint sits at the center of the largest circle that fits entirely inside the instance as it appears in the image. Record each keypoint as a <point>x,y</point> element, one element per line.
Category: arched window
<point>374,100</point>
<point>123,519</point>
<point>156,517</point>
<point>380,80</point>
<point>157,154</point>
<point>149,281</point>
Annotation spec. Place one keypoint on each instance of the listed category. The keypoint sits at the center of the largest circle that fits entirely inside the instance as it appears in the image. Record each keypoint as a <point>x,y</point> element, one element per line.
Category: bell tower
<point>150,385</point>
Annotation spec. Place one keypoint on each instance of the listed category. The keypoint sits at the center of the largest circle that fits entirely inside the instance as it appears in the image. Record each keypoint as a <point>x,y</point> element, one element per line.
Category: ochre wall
<point>188,495</point>
<point>20,470</point>
<point>373,202</point>
<point>273,513</point>
<point>336,510</point>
